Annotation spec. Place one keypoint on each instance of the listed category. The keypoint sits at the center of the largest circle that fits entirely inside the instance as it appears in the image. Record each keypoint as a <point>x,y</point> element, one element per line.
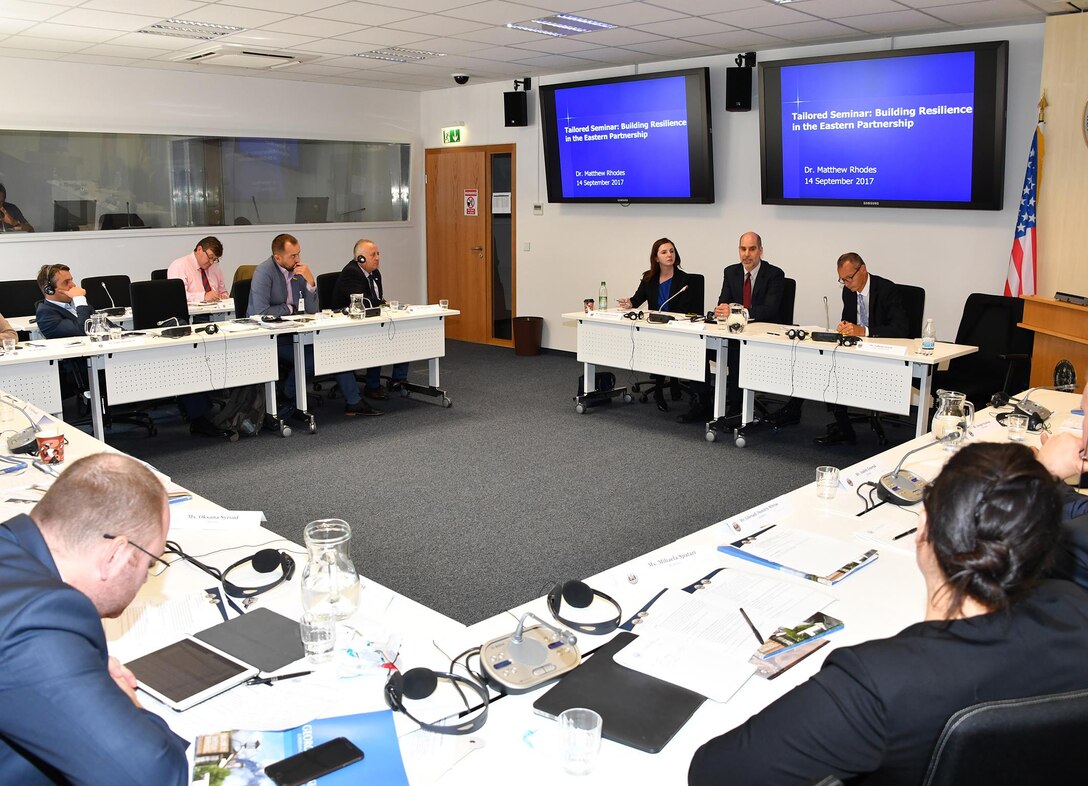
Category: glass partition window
<point>63,182</point>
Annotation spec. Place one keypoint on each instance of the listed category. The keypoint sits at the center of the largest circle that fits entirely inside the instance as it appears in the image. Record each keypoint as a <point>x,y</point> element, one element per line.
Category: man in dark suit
<point>69,712</point>
<point>64,313</point>
<point>871,307</point>
<point>283,284</point>
<point>757,285</point>
<point>361,276</point>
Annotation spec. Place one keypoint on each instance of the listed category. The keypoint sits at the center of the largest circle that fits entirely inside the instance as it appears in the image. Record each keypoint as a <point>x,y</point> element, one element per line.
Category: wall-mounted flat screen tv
<point>909,128</point>
<point>644,138</point>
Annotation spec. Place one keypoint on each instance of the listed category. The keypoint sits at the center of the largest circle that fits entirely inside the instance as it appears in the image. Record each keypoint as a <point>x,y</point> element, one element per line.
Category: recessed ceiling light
<point>560,25</point>
<point>185,28</point>
<point>399,54</point>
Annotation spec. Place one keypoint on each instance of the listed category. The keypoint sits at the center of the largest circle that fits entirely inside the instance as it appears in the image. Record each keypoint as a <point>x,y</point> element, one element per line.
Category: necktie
<point>204,279</point>
<point>863,312</point>
<point>376,298</point>
<point>747,297</point>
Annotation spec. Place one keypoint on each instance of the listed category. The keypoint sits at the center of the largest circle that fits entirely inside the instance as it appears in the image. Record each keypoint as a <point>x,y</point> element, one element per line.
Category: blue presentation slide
<point>624,140</point>
<point>898,128</point>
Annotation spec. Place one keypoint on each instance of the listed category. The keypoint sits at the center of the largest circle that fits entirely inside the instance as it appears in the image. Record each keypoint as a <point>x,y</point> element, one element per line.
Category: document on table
<point>803,554</point>
<point>701,642</point>
<point>146,625</point>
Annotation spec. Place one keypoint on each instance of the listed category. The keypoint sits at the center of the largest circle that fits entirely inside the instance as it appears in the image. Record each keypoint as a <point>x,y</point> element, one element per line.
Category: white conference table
<point>223,309</point>
<point>876,602</point>
<point>31,372</point>
<point>341,343</point>
<point>877,374</point>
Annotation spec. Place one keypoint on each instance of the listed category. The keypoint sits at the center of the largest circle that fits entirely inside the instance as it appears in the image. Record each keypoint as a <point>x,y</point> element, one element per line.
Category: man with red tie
<point>200,272</point>
<point>757,285</point>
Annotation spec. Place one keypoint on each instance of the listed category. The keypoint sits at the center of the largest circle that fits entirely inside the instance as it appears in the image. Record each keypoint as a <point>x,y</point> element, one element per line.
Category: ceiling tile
<point>739,40</point>
<point>555,45</point>
<point>24,54</point>
<point>449,46</point>
<point>988,11</point>
<point>631,14</point>
<point>282,6</point>
<point>20,9</point>
<point>333,46</point>
<point>164,9</point>
<point>162,42</point>
<point>72,33</point>
<point>673,48</point>
<point>307,26</point>
<point>364,13</point>
<point>434,24</point>
<point>816,30</point>
<point>131,52</point>
<point>30,43</point>
<point>558,62</point>
<point>761,16</point>
<point>706,7</point>
<point>616,56</point>
<point>107,20</point>
<point>379,37</point>
<point>424,6</point>
<point>500,35</point>
<point>95,60</point>
<point>239,17</point>
<point>895,22</point>
<point>684,28</point>
<point>833,9</point>
<point>267,39</point>
<point>498,12</point>
<point>9,26</point>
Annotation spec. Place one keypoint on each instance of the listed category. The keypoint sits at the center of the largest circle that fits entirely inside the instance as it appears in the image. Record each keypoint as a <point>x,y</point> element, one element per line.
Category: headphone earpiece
<point>849,341</point>
<point>581,595</point>
<point>264,561</point>
<point>419,683</point>
<point>633,315</point>
<point>211,329</point>
<point>797,334</point>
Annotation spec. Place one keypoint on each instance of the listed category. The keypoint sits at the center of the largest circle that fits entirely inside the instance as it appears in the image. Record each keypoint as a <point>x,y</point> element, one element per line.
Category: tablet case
<point>264,639</point>
<point>638,710</point>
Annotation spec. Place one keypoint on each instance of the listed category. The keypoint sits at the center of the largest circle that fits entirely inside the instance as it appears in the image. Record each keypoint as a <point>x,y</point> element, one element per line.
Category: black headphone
<point>580,595</point>
<point>264,561</point>
<point>849,341</point>
<point>633,315</point>
<point>211,329</point>
<point>797,334</point>
<point>735,327</point>
<point>419,683</point>
<point>50,274</point>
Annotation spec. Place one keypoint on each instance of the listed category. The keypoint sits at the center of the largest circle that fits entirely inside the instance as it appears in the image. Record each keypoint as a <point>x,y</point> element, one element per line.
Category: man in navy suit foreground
<point>68,711</point>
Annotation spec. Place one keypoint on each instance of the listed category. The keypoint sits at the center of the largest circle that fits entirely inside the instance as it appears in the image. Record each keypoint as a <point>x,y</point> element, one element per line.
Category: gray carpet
<point>477,508</point>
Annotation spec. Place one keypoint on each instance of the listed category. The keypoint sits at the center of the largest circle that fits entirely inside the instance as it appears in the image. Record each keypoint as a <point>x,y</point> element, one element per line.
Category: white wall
<point>61,96</point>
<point>573,247</point>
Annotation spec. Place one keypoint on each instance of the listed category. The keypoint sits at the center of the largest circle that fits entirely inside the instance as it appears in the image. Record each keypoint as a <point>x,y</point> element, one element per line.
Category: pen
<point>277,678</point>
<point>769,333</point>
<point>910,531</point>
<point>748,619</point>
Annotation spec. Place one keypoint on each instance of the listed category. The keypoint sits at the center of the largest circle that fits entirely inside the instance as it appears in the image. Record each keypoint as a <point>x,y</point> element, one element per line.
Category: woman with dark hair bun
<point>994,629</point>
<point>661,284</point>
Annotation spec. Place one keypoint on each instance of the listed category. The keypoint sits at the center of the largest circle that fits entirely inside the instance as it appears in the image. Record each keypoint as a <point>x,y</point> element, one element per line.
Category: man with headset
<point>361,276</point>
<point>68,711</point>
<point>63,314</point>
<point>283,284</point>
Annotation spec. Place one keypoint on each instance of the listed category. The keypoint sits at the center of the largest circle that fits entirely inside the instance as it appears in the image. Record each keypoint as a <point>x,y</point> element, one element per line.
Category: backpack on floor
<point>241,410</point>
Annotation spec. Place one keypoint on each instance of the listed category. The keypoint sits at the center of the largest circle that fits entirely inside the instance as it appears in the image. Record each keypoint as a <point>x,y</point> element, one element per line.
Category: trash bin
<point>527,333</point>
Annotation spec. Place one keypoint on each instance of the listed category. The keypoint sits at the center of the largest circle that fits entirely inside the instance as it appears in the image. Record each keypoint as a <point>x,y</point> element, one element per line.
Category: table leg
<point>924,382</point>
<point>300,373</point>
<point>432,372</point>
<point>97,426</point>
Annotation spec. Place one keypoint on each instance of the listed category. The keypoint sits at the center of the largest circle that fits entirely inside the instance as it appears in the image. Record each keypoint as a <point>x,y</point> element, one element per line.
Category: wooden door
<point>458,251</point>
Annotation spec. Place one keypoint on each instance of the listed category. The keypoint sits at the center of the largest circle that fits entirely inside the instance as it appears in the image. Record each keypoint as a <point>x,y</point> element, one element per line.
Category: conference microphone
<point>256,209</point>
<point>827,316</point>
<point>901,487</point>
<point>162,322</point>
<point>529,656</point>
<point>113,310</point>
<point>1037,414</point>
<point>655,317</point>
<point>128,224</point>
<point>21,441</point>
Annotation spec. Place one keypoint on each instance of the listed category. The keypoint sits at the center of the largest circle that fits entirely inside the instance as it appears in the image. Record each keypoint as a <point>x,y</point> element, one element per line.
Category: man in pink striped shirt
<point>201,273</point>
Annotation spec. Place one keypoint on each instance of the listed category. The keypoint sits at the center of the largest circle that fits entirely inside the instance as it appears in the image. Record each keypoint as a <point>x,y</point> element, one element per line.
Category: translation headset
<point>580,595</point>
<point>634,315</point>
<point>264,561</point>
<point>849,341</point>
<point>50,287</point>
<point>797,334</point>
<point>211,329</point>
<point>419,683</point>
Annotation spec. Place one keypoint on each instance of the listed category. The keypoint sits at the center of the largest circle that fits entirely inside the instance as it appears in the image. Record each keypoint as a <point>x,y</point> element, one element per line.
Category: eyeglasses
<point>158,564</point>
<point>849,278</point>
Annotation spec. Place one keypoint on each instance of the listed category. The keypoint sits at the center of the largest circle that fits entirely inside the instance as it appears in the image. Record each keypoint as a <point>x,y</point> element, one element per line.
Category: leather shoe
<point>835,436</point>
<point>659,399</point>
<point>378,394</point>
<point>360,407</point>
<point>206,428</point>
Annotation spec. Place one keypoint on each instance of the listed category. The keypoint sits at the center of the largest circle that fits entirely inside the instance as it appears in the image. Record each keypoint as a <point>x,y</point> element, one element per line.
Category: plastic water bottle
<point>929,337</point>
<point>602,297</point>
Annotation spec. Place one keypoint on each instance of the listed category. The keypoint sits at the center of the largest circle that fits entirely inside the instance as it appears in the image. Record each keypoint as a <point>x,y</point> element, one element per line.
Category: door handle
<point>480,249</point>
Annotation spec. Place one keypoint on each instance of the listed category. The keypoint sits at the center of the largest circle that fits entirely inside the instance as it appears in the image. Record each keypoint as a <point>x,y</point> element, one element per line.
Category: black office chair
<point>914,303</point>
<point>239,291</point>
<point>154,302</point>
<point>326,284</point>
<point>107,291</point>
<point>19,298</point>
<point>789,297</point>
<point>120,221</point>
<point>655,384</point>
<point>158,275</point>
<point>1003,360</point>
<point>1039,739</point>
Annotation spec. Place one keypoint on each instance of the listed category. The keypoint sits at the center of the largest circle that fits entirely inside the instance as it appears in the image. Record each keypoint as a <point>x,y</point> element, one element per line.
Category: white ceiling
<point>472,36</point>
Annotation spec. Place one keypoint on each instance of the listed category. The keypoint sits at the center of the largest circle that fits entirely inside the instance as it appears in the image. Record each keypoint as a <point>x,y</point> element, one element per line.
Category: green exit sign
<point>452,135</point>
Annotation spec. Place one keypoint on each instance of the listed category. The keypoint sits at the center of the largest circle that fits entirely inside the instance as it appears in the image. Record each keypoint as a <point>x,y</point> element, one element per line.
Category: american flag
<point>1022,262</point>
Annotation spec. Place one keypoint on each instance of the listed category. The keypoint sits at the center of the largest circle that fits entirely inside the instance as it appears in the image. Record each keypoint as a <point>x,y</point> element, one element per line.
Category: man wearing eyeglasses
<point>203,278</point>
<point>69,712</point>
<point>871,307</point>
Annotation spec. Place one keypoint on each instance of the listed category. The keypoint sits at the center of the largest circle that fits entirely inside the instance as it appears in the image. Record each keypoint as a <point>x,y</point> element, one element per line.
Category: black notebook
<point>637,710</point>
<point>262,638</point>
